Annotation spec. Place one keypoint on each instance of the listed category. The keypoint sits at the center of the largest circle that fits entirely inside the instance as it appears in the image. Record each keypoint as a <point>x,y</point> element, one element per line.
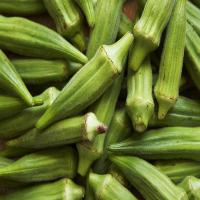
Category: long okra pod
<point>89,82</point>
<point>148,30</point>
<point>27,38</point>
<point>139,102</point>
<point>149,181</point>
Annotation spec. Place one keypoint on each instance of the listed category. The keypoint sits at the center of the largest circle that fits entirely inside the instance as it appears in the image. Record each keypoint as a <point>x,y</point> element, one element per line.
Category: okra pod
<point>164,143</point>
<point>67,18</point>
<point>78,93</point>
<point>27,38</point>
<point>68,131</point>
<point>148,30</point>
<point>177,170</point>
<point>106,187</point>
<point>126,25</point>
<point>149,181</point>
<point>23,121</point>
<point>139,101</point>
<point>42,166</point>
<point>63,189</point>
<point>167,85</point>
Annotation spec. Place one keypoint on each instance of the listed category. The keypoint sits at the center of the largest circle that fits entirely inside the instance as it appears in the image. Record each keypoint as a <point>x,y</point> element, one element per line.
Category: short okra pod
<point>106,187</point>
<point>148,30</point>
<point>139,101</point>
<point>149,181</point>
<point>167,85</point>
<point>27,38</point>
<point>89,83</point>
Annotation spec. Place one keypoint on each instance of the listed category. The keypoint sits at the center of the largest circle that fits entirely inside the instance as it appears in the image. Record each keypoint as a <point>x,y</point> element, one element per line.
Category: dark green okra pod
<point>149,181</point>
<point>63,189</point>
<point>42,166</point>
<point>177,170</point>
<point>67,18</point>
<point>167,85</point>
<point>164,143</point>
<point>106,187</point>
<point>89,83</point>
<point>139,102</point>
<point>148,30</point>
<point>27,38</point>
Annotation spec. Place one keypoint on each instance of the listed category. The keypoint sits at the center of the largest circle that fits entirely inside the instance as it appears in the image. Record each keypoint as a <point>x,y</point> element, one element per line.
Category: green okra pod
<point>139,101</point>
<point>63,189</point>
<point>167,85</point>
<point>67,18</point>
<point>163,143</point>
<point>87,7</point>
<point>148,30</point>
<point>106,187</point>
<point>27,38</point>
<point>186,112</point>
<point>42,166</point>
<point>21,7</point>
<point>89,83</point>
<point>126,25</point>
<point>68,131</point>
<point>177,170</point>
<point>26,119</point>
<point>11,80</point>
<point>149,181</point>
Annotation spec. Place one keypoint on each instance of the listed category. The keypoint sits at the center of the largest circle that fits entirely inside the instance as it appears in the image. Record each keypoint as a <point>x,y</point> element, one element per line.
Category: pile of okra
<point>97,104</point>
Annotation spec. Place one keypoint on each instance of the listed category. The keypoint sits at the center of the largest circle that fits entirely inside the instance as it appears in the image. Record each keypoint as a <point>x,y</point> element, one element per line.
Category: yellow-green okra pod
<point>89,83</point>
<point>63,189</point>
<point>42,166</point>
<point>67,17</point>
<point>167,85</point>
<point>139,101</point>
<point>148,30</point>
<point>149,181</point>
<point>27,38</point>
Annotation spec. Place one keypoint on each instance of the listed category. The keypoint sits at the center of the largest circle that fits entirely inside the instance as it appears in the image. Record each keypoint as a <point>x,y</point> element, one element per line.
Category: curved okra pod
<point>177,170</point>
<point>167,85</point>
<point>68,20</point>
<point>27,38</point>
<point>26,119</point>
<point>164,143</point>
<point>63,189</point>
<point>89,83</point>
<point>68,131</point>
<point>10,80</point>
<point>148,30</point>
<point>149,181</point>
<point>42,166</point>
<point>139,101</point>
<point>106,187</point>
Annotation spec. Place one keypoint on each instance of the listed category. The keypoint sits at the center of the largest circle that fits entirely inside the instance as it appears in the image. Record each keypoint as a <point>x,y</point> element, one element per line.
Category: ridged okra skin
<point>68,20</point>
<point>87,7</point>
<point>106,24</point>
<point>68,131</point>
<point>89,83</point>
<point>63,189</point>
<point>148,30</point>
<point>139,101</point>
<point>186,112</point>
<point>164,143</point>
<point>106,187</point>
<point>167,85</point>
<point>42,166</point>
<point>149,181</point>
<point>23,121</point>
<point>10,80</point>
<point>27,38</point>
<point>21,7</point>
<point>177,170</point>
